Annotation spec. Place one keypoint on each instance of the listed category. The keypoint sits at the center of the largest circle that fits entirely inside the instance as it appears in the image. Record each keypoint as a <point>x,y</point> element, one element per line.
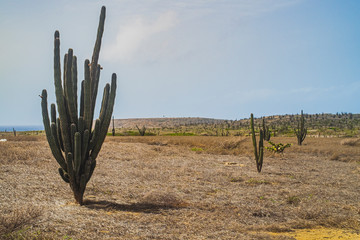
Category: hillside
<point>164,122</point>
<point>340,124</point>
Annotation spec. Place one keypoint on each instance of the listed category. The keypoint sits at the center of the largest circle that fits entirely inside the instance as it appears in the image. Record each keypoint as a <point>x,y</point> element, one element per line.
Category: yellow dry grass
<point>320,233</point>
<point>166,188</point>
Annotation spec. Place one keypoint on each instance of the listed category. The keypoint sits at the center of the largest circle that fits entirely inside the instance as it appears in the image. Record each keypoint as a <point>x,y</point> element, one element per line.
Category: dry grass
<point>17,219</point>
<point>350,141</point>
<point>158,188</point>
<point>336,148</point>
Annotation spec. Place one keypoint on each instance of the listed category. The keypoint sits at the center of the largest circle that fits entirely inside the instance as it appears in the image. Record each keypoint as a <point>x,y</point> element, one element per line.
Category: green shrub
<point>277,147</point>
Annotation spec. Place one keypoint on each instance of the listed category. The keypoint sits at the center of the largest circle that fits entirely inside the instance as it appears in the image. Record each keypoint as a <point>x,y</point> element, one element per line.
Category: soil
<point>183,188</point>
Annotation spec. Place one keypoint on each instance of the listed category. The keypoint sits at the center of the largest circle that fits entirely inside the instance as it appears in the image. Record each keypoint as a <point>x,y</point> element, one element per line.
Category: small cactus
<point>113,128</point>
<point>258,151</point>
<point>266,131</point>
<point>73,141</point>
<point>141,130</point>
<point>301,130</point>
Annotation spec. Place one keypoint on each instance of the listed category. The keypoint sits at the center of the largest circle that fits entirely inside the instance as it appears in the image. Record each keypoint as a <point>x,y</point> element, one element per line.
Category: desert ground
<point>158,187</point>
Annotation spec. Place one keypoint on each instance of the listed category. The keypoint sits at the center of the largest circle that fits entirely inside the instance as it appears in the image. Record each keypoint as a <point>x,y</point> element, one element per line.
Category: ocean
<point>21,128</point>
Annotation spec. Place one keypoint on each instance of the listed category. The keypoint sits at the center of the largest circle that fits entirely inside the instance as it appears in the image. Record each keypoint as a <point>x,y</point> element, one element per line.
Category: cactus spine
<point>301,131</point>
<point>258,151</point>
<point>72,141</point>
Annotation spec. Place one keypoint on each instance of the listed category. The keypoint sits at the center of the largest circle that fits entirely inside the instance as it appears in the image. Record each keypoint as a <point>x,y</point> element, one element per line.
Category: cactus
<point>73,141</point>
<point>301,131</point>
<point>141,130</point>
<point>259,153</point>
<point>266,131</point>
<point>113,127</point>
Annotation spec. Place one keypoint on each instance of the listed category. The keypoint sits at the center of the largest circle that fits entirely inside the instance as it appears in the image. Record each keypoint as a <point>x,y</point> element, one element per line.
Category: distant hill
<point>283,123</point>
<point>164,122</point>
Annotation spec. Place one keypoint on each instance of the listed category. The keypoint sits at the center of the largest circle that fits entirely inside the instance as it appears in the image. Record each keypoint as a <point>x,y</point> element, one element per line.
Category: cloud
<point>134,34</point>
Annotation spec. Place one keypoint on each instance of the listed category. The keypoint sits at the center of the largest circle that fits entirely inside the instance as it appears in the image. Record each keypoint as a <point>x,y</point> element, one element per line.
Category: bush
<point>277,147</point>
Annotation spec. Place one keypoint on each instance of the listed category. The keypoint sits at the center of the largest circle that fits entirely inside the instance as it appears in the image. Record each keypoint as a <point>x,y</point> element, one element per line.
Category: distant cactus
<point>301,131</point>
<point>113,128</point>
<point>266,131</point>
<point>73,142</point>
<point>258,152</point>
<point>141,130</point>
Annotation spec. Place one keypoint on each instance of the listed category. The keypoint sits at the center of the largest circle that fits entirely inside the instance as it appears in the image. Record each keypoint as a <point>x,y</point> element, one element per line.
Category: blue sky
<point>199,58</point>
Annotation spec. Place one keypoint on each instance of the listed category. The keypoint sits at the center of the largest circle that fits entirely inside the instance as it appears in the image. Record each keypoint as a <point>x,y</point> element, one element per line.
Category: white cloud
<point>135,33</point>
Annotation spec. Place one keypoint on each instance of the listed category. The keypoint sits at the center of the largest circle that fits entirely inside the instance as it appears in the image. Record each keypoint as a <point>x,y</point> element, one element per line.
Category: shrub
<point>277,147</point>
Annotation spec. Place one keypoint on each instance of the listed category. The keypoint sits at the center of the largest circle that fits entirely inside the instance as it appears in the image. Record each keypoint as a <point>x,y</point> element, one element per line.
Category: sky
<point>218,59</point>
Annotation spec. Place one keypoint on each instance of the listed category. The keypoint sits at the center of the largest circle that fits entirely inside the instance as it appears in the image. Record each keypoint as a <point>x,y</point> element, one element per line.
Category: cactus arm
<point>77,153</point>
<point>81,126</point>
<point>64,175</point>
<point>55,135</point>
<point>82,99</point>
<point>95,67</point>
<point>94,89</point>
<point>69,89</point>
<point>64,73</point>
<point>60,95</point>
<point>74,82</point>
<point>91,171</point>
<point>84,147</point>
<point>73,130</point>
<point>104,103</point>
<point>51,139</point>
<point>53,113</point>
<point>95,134</point>
<point>70,169</point>
<point>96,51</point>
<point>266,131</point>
<point>82,184</point>
<point>87,96</point>
<point>107,119</point>
<point>58,129</point>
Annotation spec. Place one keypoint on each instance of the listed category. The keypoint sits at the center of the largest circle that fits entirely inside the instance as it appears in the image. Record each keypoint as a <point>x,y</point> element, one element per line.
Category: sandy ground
<point>165,188</point>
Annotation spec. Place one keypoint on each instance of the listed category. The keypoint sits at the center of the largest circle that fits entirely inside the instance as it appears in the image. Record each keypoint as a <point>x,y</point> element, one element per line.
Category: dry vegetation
<point>182,188</point>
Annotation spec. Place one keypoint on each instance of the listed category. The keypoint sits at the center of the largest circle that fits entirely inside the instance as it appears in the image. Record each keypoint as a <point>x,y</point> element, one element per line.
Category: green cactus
<point>141,130</point>
<point>259,153</point>
<point>72,140</point>
<point>266,131</point>
<point>113,127</point>
<point>301,130</point>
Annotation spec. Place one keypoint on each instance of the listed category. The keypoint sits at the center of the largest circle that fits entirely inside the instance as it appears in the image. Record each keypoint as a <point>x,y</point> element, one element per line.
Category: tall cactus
<point>73,141</point>
<point>259,153</point>
<point>301,131</point>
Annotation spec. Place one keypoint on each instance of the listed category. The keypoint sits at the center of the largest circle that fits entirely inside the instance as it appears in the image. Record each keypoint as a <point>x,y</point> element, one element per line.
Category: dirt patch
<point>142,190</point>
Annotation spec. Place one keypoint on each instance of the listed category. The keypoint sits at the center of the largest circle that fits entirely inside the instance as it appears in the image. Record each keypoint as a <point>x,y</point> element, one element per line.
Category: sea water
<point>21,128</point>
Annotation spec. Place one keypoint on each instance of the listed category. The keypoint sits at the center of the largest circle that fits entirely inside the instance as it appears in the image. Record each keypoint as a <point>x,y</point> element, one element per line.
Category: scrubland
<point>158,187</point>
